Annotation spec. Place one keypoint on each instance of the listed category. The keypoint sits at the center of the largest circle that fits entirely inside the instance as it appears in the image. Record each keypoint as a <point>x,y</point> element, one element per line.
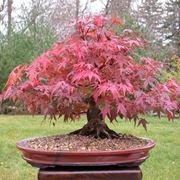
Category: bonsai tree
<point>93,72</point>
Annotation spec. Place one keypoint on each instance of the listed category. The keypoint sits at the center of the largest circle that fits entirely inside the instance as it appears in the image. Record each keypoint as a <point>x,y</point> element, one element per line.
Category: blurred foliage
<point>154,49</point>
<point>22,47</point>
<point>173,70</point>
<point>130,23</point>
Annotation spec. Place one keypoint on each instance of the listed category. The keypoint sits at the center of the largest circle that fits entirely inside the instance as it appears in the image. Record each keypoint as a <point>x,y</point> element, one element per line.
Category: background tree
<point>150,15</point>
<point>172,69</point>
<point>9,12</point>
<point>153,49</point>
<point>118,8</point>
<point>64,13</point>
<point>2,7</point>
<point>172,25</point>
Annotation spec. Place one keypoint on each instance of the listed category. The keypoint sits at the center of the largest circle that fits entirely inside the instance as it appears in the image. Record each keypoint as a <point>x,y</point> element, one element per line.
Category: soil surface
<point>85,143</point>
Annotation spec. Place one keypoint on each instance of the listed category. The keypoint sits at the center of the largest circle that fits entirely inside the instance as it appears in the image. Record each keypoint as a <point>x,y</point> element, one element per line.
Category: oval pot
<point>42,158</point>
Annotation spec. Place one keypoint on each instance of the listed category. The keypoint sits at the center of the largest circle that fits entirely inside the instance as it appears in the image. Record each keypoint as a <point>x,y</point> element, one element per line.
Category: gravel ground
<point>85,143</point>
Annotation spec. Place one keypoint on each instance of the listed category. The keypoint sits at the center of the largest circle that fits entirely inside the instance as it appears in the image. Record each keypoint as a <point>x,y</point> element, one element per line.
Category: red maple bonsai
<point>93,72</point>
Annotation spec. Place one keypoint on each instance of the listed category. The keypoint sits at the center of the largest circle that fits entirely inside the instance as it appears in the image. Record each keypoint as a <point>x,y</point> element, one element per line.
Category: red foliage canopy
<point>94,62</point>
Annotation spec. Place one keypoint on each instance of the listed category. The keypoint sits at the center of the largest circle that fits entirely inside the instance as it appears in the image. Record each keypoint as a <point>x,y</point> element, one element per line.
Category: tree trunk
<point>9,9</point>
<point>77,9</point>
<point>96,126</point>
<point>2,6</point>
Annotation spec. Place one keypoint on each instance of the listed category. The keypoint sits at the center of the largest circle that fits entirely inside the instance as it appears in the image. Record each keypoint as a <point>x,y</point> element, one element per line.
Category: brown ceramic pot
<point>41,158</point>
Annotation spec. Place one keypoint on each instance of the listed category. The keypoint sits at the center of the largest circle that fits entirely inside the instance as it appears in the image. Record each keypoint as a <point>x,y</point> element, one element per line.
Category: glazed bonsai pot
<point>125,158</point>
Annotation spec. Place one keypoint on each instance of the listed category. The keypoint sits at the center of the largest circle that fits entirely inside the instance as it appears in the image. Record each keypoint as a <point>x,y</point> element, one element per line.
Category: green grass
<point>163,164</point>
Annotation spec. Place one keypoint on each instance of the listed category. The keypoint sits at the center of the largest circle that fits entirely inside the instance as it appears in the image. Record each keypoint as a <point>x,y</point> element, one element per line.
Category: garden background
<point>28,28</point>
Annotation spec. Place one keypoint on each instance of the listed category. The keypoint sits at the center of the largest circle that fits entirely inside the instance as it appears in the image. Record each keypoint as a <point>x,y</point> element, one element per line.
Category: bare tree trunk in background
<point>117,7</point>
<point>107,7</point>
<point>150,13</point>
<point>129,3</point>
<point>85,8</point>
<point>77,9</point>
<point>9,11</point>
<point>2,6</point>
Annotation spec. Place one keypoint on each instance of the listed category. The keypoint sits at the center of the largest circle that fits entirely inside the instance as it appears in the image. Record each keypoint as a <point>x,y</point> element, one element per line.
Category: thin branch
<point>85,7</point>
<point>102,2</point>
<point>2,6</point>
<point>77,9</point>
<point>107,7</point>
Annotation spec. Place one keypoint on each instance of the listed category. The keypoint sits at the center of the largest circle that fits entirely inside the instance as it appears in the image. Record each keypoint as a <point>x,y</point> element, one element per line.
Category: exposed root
<point>98,130</point>
<point>96,126</point>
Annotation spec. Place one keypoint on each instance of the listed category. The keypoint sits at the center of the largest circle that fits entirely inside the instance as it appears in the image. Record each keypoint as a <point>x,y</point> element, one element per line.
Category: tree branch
<point>85,7</point>
<point>77,9</point>
<point>107,7</point>
<point>2,6</point>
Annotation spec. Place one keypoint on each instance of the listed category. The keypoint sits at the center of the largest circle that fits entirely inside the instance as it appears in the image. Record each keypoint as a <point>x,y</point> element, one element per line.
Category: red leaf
<point>116,21</point>
<point>107,88</point>
<point>15,75</point>
<point>170,115</point>
<point>113,114</point>
<point>144,123</point>
<point>122,109</point>
<point>94,61</point>
<point>99,21</point>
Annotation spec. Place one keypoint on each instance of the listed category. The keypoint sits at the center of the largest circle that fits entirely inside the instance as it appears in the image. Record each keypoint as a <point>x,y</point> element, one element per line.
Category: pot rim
<point>21,146</point>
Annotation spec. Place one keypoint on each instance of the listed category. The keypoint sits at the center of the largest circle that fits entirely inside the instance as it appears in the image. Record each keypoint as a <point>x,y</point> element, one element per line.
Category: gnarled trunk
<point>95,126</point>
